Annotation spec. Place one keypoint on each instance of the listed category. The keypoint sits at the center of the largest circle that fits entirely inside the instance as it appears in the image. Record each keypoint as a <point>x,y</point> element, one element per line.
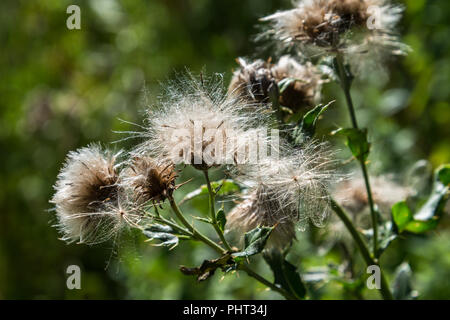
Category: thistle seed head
<point>254,82</point>
<point>352,194</point>
<point>357,28</point>
<point>305,90</point>
<point>258,209</point>
<point>197,124</point>
<point>90,205</point>
<point>290,190</point>
<point>150,180</point>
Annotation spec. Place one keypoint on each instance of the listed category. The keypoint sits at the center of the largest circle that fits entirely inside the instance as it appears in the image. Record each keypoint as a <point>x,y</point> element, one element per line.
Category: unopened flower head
<point>355,27</point>
<point>198,124</point>
<point>285,191</point>
<point>90,207</point>
<point>149,179</point>
<point>255,81</point>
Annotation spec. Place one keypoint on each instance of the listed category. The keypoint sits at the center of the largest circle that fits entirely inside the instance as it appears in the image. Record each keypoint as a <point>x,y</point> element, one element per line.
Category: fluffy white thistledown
<point>197,123</point>
<point>255,80</point>
<point>90,206</point>
<point>364,30</point>
<point>286,192</point>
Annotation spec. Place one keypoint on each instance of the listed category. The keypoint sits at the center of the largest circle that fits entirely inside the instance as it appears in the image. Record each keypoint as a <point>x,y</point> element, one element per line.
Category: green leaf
<point>221,219</point>
<point>224,187</point>
<point>438,198</point>
<point>386,234</point>
<point>307,127</point>
<point>254,241</point>
<point>421,226</point>
<point>402,215</point>
<point>202,219</point>
<point>443,174</point>
<point>356,141</point>
<point>165,234</point>
<point>285,274</point>
<point>402,287</point>
<point>428,216</point>
<point>286,82</point>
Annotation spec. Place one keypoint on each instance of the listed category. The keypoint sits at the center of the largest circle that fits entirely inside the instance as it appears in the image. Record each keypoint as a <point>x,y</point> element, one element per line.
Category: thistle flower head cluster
<point>355,27</point>
<point>96,197</point>
<point>256,81</point>
<point>285,192</point>
<point>94,201</point>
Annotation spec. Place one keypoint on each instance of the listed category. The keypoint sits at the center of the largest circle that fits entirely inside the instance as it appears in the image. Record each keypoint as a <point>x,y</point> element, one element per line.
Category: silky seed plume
<point>90,205</point>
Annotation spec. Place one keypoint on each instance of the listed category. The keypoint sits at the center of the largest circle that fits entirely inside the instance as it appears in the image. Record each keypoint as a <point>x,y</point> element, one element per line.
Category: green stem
<point>385,290</point>
<point>175,226</point>
<point>345,85</point>
<point>212,196</point>
<point>266,282</point>
<point>197,234</point>
<point>354,233</point>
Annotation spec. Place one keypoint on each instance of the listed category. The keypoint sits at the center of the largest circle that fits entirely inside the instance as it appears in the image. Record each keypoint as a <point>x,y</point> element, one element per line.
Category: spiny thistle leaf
<point>254,241</point>
<point>163,233</point>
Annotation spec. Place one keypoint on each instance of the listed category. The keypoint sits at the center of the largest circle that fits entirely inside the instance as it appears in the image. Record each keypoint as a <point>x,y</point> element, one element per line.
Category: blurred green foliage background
<point>61,89</point>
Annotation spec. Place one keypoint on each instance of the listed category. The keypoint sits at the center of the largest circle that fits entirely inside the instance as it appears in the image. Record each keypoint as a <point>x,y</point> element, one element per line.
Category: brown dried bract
<point>151,180</point>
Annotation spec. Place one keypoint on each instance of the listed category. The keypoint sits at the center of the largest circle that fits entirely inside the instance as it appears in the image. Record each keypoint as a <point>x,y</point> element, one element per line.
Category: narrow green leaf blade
<point>307,126</point>
<point>221,219</point>
<point>225,186</point>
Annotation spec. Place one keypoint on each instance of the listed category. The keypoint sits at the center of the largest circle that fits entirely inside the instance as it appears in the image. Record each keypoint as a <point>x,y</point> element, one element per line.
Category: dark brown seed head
<point>252,81</point>
<point>150,180</point>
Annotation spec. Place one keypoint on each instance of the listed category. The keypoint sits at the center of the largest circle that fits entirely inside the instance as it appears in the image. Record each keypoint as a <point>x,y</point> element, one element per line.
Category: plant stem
<point>385,290</point>
<point>266,282</point>
<point>354,233</point>
<point>345,85</point>
<point>212,196</point>
<point>175,226</point>
<point>197,234</point>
